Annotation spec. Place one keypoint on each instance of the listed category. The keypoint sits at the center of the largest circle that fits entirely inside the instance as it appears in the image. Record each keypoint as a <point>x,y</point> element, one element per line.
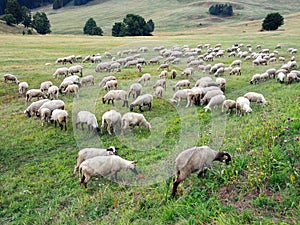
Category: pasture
<point>260,185</point>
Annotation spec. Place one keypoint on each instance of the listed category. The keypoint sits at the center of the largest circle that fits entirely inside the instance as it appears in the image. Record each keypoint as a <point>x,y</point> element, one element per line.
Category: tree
<point>272,21</point>
<point>9,19</point>
<point>119,30</point>
<point>221,10</point>
<point>91,28</point>
<point>26,15</point>
<point>14,8</point>
<point>41,23</point>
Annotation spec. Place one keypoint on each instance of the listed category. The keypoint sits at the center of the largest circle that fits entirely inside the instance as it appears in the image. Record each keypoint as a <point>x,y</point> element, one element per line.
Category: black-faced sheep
<point>135,90</point>
<point>113,119</point>
<point>133,119</point>
<point>255,79</point>
<point>34,93</point>
<point>88,118</point>
<point>10,77</point>
<point>72,89</point>
<point>23,88</point>
<point>215,102</point>
<point>52,105</point>
<point>34,107</point>
<point>60,116</point>
<point>45,85</point>
<point>117,95</point>
<point>142,100</point>
<point>75,69</point>
<point>228,105</point>
<point>196,160</point>
<point>255,97</point>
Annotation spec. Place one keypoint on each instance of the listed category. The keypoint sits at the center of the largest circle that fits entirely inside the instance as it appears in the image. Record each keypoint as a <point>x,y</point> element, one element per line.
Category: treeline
<point>221,10</point>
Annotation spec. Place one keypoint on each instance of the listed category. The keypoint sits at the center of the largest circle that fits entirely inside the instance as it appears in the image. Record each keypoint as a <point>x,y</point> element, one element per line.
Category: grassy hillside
<point>168,15</point>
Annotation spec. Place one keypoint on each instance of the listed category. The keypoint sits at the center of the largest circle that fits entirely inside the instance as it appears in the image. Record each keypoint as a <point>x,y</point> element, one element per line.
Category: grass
<point>261,184</point>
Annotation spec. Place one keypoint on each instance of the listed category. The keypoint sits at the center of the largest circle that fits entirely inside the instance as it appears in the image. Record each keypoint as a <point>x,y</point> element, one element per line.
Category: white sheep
<point>34,93</point>
<point>89,79</point>
<point>163,74</point>
<point>72,88</point>
<point>179,95</point>
<point>255,79</point>
<point>105,79</point>
<point>142,100</point>
<point>281,77</point>
<point>52,105</point>
<point>111,84</point>
<point>60,116</point>
<point>88,153</point>
<point>53,92</point>
<point>220,71</point>
<point>215,102</point>
<point>182,83</point>
<point>75,69</point>
<point>23,88</point>
<point>135,90</point>
<point>242,104</point>
<point>188,72</point>
<point>133,119</point>
<point>10,77</point>
<point>196,160</point>
<point>88,118</point>
<point>117,95</point>
<point>235,70</point>
<point>63,71</point>
<point>145,78</point>
<point>158,92</point>
<point>45,115</point>
<point>255,97</point>
<point>209,94</point>
<point>103,166</point>
<point>34,107</point>
<point>221,82</point>
<point>160,82</point>
<point>113,119</point>
<point>228,105</point>
<point>237,62</point>
<point>45,85</point>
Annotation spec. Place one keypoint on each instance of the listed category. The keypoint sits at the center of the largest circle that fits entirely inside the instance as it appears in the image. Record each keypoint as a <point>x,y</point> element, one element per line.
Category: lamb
<point>281,77</point>
<point>242,104</point>
<point>88,118</point>
<point>60,116</point>
<point>34,107</point>
<point>10,77</point>
<point>180,94</point>
<point>89,79</point>
<point>113,119</point>
<point>103,166</point>
<point>145,78</point>
<point>235,70</point>
<point>160,82</point>
<point>159,91</point>
<point>215,102</point>
<point>221,82</point>
<point>139,68</point>
<point>209,95</point>
<point>133,119</point>
<point>72,88</point>
<point>88,153</point>
<point>142,100</point>
<point>23,88</point>
<point>182,83</point>
<point>135,90</point>
<point>63,71</point>
<point>75,69</point>
<point>229,105</point>
<point>106,79</point>
<point>34,93</point>
<point>53,92</point>
<point>45,115</point>
<point>116,95</point>
<point>52,105</point>
<point>173,74</point>
<point>237,62</point>
<point>188,72</point>
<point>163,74</point>
<point>196,160</point>
<point>255,97</point>
<point>45,85</point>
<point>111,84</point>
<point>255,78</point>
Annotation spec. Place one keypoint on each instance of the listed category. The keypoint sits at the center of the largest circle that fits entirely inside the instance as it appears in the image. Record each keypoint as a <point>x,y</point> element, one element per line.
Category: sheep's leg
<point>140,108</point>
<point>174,189</point>
<point>202,173</point>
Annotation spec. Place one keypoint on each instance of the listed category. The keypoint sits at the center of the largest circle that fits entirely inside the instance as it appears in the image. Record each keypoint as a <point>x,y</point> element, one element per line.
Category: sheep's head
<point>103,100</point>
<point>148,125</point>
<point>131,107</point>
<point>132,167</point>
<point>27,113</point>
<point>113,150</point>
<point>223,157</point>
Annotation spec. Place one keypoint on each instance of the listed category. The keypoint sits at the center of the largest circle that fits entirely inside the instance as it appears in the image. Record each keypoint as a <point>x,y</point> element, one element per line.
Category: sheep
<point>62,71</point>
<point>45,115</point>
<point>133,119</point>
<point>53,92</point>
<point>163,74</point>
<point>72,88</point>
<point>89,79</point>
<point>103,166</point>
<point>163,66</point>
<point>88,153</point>
<point>173,74</point>
<point>111,84</point>
<point>113,66</point>
<point>215,102</point>
<point>60,116</point>
<point>34,107</point>
<point>88,118</point>
<point>159,91</point>
<point>196,160</point>
<point>75,69</point>
<point>290,77</point>
<point>237,62</point>
<point>139,68</point>
<point>235,70</point>
<point>264,76</point>
<point>160,82</point>
<point>116,95</point>
<point>102,66</point>
<point>188,72</point>
<point>182,83</point>
<point>34,93</point>
<point>52,105</point>
<point>106,79</point>
<point>255,97</point>
<point>145,78</point>
<point>113,119</point>
<point>242,104</point>
<point>209,95</point>
<point>45,85</point>
<point>23,88</point>
<point>180,94</point>
<point>10,77</point>
<point>219,71</point>
<point>135,90</point>
<point>255,78</point>
<point>221,82</point>
<point>228,104</point>
<point>142,100</point>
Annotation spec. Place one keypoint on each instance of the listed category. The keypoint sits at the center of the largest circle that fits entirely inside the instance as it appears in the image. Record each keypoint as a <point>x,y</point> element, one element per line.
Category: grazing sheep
<point>255,97</point>
<point>163,66</point>
<point>45,115</point>
<point>34,107</point>
<point>135,90</point>
<point>215,102</point>
<point>89,79</point>
<point>160,82</point>
<point>88,118</point>
<point>242,104</point>
<point>221,82</point>
<point>264,76</point>
<point>145,78</point>
<point>105,79</point>
<point>72,88</point>
<point>53,92</point>
<point>159,91</point>
<point>10,77</point>
<point>229,105</point>
<point>142,100</point>
<point>23,88</point>
<point>117,95</point>
<point>173,74</point>
<point>113,119</point>
<point>133,119</point>
<point>60,116</point>
<point>182,83</point>
<point>103,66</point>
<point>255,79</point>
<point>163,74</point>
<point>237,62</point>
<point>52,105</point>
<point>34,93</point>
<point>281,77</point>
<point>188,72</point>
<point>209,94</point>
<point>180,94</point>
<point>220,71</point>
<point>139,68</point>
<point>111,84</point>
<point>271,72</point>
<point>88,153</point>
<point>75,69</point>
<point>196,160</point>
<point>45,85</point>
<point>63,71</point>
<point>114,66</point>
<point>235,70</point>
<point>103,166</point>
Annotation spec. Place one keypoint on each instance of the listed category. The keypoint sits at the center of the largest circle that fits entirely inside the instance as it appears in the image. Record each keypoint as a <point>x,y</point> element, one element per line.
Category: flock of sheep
<point>208,91</point>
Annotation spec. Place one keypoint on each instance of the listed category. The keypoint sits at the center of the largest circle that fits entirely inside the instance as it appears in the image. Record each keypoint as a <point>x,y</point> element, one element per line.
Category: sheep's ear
<point>134,162</point>
<point>110,149</point>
